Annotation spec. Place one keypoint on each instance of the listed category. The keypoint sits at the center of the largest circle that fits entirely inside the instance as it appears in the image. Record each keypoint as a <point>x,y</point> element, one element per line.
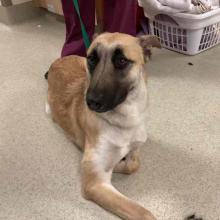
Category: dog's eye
<point>121,63</point>
<point>92,60</point>
<point>119,60</point>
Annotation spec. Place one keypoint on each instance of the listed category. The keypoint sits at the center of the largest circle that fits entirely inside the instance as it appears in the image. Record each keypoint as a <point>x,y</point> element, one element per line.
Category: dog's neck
<point>131,112</point>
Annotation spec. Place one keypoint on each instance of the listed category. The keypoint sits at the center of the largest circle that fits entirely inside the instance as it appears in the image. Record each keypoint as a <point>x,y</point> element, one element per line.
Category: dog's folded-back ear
<point>94,36</point>
<point>147,42</point>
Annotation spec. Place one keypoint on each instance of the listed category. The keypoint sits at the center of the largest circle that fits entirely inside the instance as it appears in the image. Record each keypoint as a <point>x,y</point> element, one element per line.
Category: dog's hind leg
<point>129,164</point>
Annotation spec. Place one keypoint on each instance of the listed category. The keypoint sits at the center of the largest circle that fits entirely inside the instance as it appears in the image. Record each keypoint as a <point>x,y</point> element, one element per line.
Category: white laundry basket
<point>187,33</point>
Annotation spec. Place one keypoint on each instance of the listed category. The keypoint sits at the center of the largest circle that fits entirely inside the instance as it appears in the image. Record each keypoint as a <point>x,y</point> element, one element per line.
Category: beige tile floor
<point>40,168</point>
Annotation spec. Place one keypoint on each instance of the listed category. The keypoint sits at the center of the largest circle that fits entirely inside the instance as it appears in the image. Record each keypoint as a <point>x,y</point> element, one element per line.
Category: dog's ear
<point>94,36</point>
<point>147,42</point>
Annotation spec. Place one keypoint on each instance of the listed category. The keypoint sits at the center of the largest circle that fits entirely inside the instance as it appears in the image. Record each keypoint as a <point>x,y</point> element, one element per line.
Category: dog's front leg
<point>98,188</point>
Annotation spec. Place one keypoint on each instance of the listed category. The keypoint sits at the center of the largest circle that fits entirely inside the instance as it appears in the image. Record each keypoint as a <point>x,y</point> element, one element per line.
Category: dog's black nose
<point>95,102</point>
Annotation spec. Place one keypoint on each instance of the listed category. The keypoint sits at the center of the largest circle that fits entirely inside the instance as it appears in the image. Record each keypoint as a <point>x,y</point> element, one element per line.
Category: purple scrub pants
<point>119,16</point>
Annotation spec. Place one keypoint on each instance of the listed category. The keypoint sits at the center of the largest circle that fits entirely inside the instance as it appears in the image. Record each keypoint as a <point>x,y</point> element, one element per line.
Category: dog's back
<point>67,82</point>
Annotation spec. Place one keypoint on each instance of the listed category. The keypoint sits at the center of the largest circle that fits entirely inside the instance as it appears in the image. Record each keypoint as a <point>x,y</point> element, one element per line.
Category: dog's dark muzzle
<point>105,101</point>
<point>97,102</point>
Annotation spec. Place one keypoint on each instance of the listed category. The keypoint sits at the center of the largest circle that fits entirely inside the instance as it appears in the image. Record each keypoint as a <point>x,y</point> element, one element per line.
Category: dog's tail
<point>46,75</point>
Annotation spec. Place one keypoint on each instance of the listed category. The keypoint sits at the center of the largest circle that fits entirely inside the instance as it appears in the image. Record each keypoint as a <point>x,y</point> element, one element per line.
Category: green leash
<point>83,29</point>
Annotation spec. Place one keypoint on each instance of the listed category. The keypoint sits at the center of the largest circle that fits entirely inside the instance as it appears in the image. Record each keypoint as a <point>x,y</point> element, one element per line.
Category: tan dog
<point>102,105</point>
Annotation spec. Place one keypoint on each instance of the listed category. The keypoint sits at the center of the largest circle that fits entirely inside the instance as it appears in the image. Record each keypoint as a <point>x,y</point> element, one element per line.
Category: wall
<point>54,6</point>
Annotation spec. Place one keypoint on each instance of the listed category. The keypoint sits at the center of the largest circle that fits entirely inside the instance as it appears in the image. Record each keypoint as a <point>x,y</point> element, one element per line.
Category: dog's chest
<point>114,144</point>
<point>122,131</point>
<point>123,138</point>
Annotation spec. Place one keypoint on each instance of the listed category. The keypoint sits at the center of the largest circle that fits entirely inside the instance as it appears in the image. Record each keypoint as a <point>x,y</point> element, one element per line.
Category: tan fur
<point>67,82</point>
<point>67,86</point>
<point>126,41</point>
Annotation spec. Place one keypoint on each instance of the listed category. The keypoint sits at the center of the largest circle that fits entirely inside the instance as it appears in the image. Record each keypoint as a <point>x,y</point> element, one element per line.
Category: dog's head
<point>115,63</point>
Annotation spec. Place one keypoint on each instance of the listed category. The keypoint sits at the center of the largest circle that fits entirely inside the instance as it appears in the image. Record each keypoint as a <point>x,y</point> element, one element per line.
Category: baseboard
<point>19,13</point>
<point>60,18</point>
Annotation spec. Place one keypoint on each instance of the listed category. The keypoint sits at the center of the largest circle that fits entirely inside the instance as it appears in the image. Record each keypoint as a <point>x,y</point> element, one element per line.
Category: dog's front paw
<point>128,164</point>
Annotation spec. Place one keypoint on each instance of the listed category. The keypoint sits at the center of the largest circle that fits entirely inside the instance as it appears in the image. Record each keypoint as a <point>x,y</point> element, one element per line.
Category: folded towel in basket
<point>201,6</point>
<point>183,5</point>
<point>154,7</point>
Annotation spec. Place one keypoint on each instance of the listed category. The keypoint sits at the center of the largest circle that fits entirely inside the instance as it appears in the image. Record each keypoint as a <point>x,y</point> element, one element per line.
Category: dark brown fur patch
<point>108,80</point>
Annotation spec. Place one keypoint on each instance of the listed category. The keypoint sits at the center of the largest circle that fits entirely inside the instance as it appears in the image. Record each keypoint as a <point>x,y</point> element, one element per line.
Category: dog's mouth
<point>103,104</point>
<point>107,99</point>
<point>100,108</point>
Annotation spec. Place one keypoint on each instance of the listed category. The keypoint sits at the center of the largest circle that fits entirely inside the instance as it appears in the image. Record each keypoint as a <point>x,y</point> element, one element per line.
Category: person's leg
<point>120,16</point>
<point>74,42</point>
